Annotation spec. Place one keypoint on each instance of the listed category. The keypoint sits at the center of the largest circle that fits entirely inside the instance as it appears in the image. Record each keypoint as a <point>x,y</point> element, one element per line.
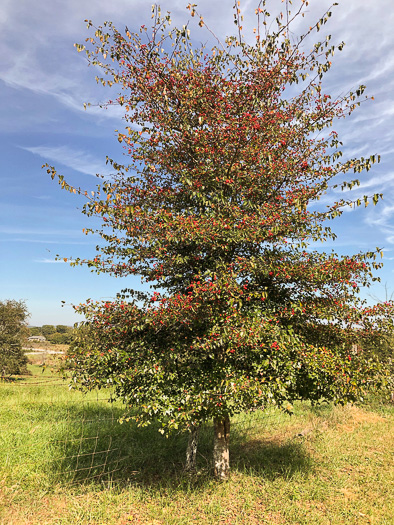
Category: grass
<point>65,459</point>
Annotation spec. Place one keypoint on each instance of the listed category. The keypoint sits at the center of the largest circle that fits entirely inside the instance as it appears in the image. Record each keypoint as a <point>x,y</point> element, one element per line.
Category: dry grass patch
<point>356,417</point>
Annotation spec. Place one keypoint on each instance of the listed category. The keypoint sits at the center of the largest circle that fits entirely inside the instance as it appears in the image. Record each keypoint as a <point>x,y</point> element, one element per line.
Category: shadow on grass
<point>93,447</point>
<point>271,459</point>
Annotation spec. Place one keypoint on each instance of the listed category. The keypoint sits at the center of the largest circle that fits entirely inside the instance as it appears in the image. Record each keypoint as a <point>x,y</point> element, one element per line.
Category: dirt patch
<point>46,347</point>
<point>40,351</point>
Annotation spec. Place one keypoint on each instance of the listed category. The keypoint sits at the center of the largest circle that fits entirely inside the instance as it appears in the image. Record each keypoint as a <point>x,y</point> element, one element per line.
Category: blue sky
<point>44,83</point>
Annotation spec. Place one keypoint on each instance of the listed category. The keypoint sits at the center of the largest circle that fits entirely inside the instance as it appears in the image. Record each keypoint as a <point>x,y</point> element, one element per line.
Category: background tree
<point>63,329</point>
<point>13,330</point>
<point>61,338</point>
<point>229,149</point>
<point>59,334</point>
<point>384,346</point>
<point>48,329</point>
<point>34,330</point>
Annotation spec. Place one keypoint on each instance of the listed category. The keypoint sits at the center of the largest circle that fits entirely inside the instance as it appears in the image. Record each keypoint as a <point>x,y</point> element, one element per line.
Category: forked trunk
<point>221,442</point>
<point>191,451</point>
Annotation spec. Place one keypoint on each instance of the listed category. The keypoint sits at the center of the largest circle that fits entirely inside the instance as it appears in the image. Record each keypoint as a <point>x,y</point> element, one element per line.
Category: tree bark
<point>191,451</point>
<point>221,442</point>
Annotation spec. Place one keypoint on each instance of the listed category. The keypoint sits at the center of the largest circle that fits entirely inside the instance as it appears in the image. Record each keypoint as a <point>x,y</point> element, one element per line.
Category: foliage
<point>230,151</point>
<point>61,338</point>
<point>48,329</point>
<point>34,330</point>
<point>384,345</point>
<point>62,329</point>
<point>60,334</point>
<point>13,316</point>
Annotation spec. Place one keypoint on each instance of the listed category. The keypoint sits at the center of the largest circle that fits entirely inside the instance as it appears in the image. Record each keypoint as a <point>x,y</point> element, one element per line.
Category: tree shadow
<point>91,446</point>
<point>271,459</point>
<point>268,458</point>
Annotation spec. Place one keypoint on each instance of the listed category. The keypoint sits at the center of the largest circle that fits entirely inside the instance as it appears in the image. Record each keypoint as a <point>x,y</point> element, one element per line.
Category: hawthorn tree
<point>13,315</point>
<point>228,149</point>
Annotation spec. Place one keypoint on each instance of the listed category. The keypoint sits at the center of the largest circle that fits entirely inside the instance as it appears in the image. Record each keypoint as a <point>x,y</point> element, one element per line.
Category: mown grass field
<point>65,459</point>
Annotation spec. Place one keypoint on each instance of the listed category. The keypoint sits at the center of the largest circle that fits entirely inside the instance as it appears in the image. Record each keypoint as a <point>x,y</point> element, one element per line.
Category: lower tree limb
<point>221,442</point>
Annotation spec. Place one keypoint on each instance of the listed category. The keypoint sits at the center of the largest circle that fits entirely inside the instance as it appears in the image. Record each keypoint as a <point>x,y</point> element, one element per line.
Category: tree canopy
<point>230,149</point>
<point>13,316</point>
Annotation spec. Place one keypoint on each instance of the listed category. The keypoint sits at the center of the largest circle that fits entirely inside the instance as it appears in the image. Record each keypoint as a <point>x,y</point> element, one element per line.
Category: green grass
<point>65,459</point>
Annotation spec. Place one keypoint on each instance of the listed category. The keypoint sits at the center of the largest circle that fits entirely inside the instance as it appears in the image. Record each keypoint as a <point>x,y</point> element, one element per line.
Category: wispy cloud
<point>383,216</point>
<point>11,230</point>
<point>78,160</point>
<point>375,183</point>
<point>46,241</point>
<point>49,261</point>
<point>37,236</point>
<point>46,63</point>
<point>382,221</point>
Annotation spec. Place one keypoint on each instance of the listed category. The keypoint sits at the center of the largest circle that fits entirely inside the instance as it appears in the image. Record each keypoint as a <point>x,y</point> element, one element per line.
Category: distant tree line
<point>56,334</point>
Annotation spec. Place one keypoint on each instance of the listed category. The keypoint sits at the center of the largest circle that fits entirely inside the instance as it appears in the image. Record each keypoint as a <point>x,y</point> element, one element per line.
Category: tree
<point>13,315</point>
<point>229,149</point>
<point>383,348</point>
<point>61,338</point>
<point>34,330</point>
<point>48,329</point>
<point>63,329</point>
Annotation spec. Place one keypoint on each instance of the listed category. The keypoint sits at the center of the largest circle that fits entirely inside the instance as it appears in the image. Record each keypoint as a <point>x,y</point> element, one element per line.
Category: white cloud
<point>78,160</point>
<point>382,217</point>
<point>48,261</point>
<point>381,220</point>
<point>35,231</point>
<point>374,183</point>
<point>62,242</point>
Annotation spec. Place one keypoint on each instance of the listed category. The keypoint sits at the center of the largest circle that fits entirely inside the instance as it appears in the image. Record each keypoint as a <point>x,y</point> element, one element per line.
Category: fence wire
<point>66,437</point>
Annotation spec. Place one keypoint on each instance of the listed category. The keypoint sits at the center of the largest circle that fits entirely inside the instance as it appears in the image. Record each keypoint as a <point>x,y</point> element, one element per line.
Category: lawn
<point>66,459</point>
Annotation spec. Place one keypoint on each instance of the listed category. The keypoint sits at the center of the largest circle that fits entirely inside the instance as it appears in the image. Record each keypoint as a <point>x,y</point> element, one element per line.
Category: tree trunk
<point>221,441</point>
<point>191,451</point>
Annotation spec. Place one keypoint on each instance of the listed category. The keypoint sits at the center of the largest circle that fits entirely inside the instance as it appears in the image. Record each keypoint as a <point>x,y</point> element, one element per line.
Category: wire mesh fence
<point>49,434</point>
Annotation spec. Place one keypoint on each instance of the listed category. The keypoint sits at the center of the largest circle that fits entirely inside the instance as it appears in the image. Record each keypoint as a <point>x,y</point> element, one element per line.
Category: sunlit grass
<point>65,458</point>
